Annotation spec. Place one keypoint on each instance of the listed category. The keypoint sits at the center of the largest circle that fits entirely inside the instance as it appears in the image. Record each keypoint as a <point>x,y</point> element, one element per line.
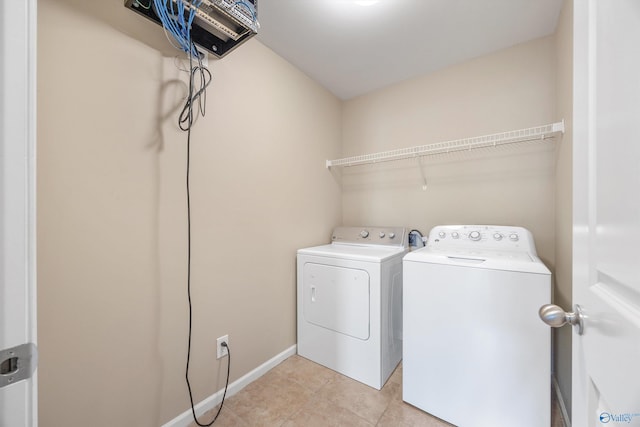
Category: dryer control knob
<point>513,237</point>
<point>442,234</point>
<point>392,235</point>
<point>455,235</point>
<point>364,234</point>
<point>497,236</point>
<point>475,236</point>
<point>381,234</point>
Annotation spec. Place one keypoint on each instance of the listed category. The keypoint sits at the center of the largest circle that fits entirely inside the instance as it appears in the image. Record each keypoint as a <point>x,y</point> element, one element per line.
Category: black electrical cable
<point>185,120</point>
<point>189,121</point>
<point>416,231</point>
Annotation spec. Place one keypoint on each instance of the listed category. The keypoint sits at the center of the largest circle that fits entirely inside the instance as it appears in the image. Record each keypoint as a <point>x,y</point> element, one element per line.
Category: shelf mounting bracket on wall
<point>424,178</point>
<point>538,133</point>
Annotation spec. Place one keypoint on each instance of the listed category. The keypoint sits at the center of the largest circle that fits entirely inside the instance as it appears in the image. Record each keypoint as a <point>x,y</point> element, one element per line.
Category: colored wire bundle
<point>172,16</point>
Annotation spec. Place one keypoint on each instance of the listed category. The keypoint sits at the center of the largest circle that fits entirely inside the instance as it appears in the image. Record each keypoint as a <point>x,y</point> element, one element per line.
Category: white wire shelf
<point>467,144</point>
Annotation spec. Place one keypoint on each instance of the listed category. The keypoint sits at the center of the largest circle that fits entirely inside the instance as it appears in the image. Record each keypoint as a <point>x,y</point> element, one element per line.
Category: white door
<point>18,405</point>
<point>606,269</point>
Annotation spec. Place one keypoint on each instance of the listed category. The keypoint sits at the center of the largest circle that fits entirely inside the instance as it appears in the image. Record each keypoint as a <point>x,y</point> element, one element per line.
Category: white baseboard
<point>186,418</point>
<point>563,406</point>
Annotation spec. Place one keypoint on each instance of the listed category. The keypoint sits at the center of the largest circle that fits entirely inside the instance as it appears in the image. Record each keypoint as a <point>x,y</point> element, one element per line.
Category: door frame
<point>18,37</point>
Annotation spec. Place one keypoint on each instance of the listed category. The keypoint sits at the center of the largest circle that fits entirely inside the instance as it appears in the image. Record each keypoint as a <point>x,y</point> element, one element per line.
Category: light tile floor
<point>299,392</point>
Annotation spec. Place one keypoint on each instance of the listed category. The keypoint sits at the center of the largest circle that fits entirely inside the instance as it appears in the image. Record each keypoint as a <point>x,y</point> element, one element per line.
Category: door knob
<point>556,317</point>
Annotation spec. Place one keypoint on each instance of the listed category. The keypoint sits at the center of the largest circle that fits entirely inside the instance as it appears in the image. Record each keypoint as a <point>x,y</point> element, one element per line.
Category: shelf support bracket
<point>424,178</point>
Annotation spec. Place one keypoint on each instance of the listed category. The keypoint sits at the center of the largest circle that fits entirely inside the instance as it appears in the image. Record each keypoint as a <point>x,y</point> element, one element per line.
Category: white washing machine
<point>475,351</point>
<point>350,302</point>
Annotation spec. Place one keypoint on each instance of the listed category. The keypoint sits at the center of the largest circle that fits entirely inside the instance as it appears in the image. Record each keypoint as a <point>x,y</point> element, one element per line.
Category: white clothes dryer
<point>475,351</point>
<point>350,302</point>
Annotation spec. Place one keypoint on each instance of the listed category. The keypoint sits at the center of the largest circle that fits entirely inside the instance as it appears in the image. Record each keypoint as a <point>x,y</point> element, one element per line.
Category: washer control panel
<point>388,236</point>
<point>491,237</point>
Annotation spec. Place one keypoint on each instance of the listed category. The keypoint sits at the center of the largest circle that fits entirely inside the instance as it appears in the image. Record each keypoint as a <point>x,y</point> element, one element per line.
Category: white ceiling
<point>353,49</point>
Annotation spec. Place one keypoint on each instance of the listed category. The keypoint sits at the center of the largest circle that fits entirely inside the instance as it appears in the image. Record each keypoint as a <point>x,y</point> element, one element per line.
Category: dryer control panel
<point>387,236</point>
<point>485,237</point>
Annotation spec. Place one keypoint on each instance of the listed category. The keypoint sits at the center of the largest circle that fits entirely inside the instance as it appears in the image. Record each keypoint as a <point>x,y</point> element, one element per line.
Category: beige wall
<point>507,90</point>
<point>564,198</point>
<point>112,221</point>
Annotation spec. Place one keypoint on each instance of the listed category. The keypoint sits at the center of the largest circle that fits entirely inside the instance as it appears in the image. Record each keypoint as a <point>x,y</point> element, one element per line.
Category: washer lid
<point>494,260</point>
<point>354,252</point>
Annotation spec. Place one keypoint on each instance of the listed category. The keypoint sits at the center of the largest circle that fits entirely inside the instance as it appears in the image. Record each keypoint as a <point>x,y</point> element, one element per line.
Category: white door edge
<point>18,37</point>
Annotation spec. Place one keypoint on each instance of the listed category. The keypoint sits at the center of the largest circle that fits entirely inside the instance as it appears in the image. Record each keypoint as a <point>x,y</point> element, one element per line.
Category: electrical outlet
<point>221,350</point>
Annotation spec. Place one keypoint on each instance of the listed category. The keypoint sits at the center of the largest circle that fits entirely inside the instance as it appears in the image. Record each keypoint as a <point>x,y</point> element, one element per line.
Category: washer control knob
<point>381,234</point>
<point>497,236</point>
<point>364,234</point>
<point>513,237</point>
<point>392,235</point>
<point>442,234</point>
<point>455,235</point>
<point>475,236</point>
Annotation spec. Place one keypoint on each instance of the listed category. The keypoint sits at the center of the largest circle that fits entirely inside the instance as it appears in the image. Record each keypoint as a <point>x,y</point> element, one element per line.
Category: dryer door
<point>337,298</point>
